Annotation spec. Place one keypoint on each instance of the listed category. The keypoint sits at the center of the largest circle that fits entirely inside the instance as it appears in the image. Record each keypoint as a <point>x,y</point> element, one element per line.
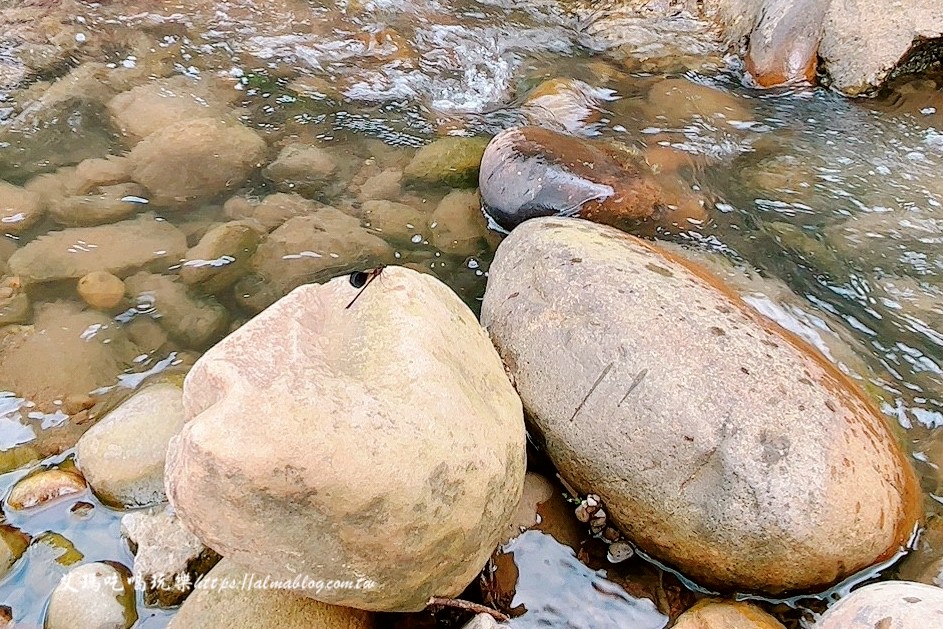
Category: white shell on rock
<point>718,442</point>
<point>380,442</point>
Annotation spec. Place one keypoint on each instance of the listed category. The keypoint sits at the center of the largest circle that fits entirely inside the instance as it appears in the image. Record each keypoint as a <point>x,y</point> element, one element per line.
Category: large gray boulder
<point>719,443</point>
<point>380,444</point>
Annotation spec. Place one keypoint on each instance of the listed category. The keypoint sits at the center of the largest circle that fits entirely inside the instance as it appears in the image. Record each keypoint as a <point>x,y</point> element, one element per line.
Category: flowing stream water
<point>835,206</point>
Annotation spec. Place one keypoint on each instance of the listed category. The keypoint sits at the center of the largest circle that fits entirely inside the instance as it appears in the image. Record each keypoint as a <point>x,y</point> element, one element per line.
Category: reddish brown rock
<point>530,171</point>
<point>784,43</point>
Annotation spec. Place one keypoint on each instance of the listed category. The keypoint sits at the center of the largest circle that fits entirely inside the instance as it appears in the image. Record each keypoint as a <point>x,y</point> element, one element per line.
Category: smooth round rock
<point>715,614</point>
<point>719,443</point>
<point>451,161</point>
<point>224,599</point>
<point>101,290</point>
<point>44,486</point>
<point>195,160</point>
<point>887,605</point>
<point>530,171</point>
<point>92,595</point>
<point>122,456</point>
<point>390,444</point>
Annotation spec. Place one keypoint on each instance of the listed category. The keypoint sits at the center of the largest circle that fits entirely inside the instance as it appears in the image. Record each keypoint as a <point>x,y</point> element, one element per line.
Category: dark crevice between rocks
<point>925,56</point>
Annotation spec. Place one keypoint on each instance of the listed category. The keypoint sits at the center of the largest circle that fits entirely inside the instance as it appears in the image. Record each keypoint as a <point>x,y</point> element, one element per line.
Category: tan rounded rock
<point>221,601</point>
<point>101,290</point>
<point>92,595</point>
<point>390,449</point>
<point>43,486</point>
<point>120,248</point>
<point>719,443</point>
<point>195,160</point>
<point>887,605</point>
<point>20,208</point>
<point>122,456</point>
<point>715,614</point>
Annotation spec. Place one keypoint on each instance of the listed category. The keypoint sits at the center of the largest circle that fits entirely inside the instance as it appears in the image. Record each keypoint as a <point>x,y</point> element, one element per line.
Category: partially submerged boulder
<point>347,479</point>
<point>746,461</point>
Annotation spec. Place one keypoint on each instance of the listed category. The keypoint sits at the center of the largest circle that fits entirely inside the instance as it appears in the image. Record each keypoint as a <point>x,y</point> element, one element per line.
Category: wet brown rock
<point>301,168</point>
<point>309,248</point>
<point>15,306</point>
<point>20,208</point>
<point>107,171</point>
<point>65,351</point>
<point>339,387</point>
<point>39,488</point>
<point>193,320</point>
<point>784,42</point>
<point>458,224</point>
<point>716,614</point>
<point>786,478</point>
<point>158,104</point>
<point>451,161</point>
<point>236,608</point>
<point>106,205</point>
<point>383,185</point>
<point>565,105</point>
<point>393,221</point>
<point>13,543</point>
<point>275,209</point>
<point>101,290</point>
<point>680,100</point>
<point>892,604</point>
<point>530,171</point>
<point>122,456</point>
<point>121,248</point>
<point>221,257</point>
<point>195,160</point>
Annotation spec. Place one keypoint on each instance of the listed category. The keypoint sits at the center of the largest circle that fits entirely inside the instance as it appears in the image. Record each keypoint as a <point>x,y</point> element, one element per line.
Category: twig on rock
<point>457,603</point>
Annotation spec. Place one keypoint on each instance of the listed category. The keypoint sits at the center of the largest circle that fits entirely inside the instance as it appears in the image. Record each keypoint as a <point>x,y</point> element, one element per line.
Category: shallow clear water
<point>838,204</point>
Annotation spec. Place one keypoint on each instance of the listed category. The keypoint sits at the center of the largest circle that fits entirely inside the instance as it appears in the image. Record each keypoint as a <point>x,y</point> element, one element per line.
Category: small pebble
<point>620,551</point>
<point>101,290</point>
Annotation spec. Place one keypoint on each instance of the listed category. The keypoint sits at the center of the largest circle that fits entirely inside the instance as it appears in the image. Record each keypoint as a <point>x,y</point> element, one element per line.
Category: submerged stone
<point>784,42</point>
<point>20,208</point>
<point>342,385</point>
<point>221,257</point>
<point>720,444</point>
<point>308,248</point>
<point>191,319</point>
<point>451,161</point>
<point>64,352</point>
<point>121,249</point>
<point>195,160</point>
<point>302,168</point>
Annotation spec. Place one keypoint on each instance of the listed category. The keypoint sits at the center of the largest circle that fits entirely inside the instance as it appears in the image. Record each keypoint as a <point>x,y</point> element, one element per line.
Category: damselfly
<point>362,279</point>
